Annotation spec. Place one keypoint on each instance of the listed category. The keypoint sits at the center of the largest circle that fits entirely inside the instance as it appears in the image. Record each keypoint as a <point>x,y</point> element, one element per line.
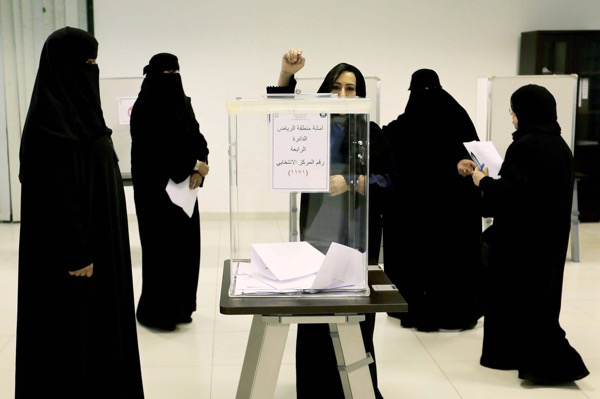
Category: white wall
<point>230,48</point>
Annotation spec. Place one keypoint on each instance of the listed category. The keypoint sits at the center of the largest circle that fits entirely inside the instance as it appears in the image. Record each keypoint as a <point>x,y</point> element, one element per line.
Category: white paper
<point>286,260</point>
<point>300,152</point>
<point>343,267</point>
<point>485,153</point>
<point>279,268</point>
<point>181,195</point>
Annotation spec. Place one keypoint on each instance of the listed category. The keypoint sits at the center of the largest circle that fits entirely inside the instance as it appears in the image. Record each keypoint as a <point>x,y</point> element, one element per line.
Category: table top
<point>377,301</point>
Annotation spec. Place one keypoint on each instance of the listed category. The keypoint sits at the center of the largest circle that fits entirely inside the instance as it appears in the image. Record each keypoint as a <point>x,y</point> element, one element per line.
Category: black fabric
<point>161,62</point>
<point>433,255</point>
<point>424,79</point>
<point>65,102</point>
<point>76,336</point>
<point>324,219</point>
<point>531,207</point>
<point>166,143</point>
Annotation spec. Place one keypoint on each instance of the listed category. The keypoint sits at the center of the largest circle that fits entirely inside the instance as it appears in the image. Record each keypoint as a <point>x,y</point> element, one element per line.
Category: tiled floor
<point>203,360</point>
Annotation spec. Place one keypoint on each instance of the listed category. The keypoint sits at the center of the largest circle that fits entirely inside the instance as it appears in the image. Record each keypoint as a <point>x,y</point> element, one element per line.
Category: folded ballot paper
<point>293,267</point>
<point>181,195</point>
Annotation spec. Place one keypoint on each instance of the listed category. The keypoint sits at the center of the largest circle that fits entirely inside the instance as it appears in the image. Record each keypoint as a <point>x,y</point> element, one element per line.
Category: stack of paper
<point>292,267</point>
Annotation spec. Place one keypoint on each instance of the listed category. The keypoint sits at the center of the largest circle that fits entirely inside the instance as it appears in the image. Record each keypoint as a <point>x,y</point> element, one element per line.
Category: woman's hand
<point>202,168</point>
<point>465,167</point>
<point>291,63</point>
<point>477,175</point>
<point>195,180</point>
<point>337,185</point>
<point>85,272</point>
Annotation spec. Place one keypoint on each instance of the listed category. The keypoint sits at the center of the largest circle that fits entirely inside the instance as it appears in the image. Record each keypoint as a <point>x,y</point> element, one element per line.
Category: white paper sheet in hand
<point>286,260</point>
<point>181,195</point>
<point>342,267</point>
<point>485,152</point>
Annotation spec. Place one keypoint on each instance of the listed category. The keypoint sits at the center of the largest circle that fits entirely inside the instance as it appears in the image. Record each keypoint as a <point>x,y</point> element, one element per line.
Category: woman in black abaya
<point>76,332</point>
<point>323,219</point>
<point>531,207</point>
<point>166,144</point>
<point>433,256</point>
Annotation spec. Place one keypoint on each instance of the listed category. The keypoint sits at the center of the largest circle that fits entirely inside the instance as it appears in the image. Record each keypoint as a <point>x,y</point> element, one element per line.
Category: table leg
<point>353,362</point>
<point>262,362</point>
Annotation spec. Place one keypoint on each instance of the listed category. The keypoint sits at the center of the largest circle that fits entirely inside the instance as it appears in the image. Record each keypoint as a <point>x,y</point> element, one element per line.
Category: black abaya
<point>531,207</point>
<point>76,336</point>
<point>166,143</point>
<point>433,256</point>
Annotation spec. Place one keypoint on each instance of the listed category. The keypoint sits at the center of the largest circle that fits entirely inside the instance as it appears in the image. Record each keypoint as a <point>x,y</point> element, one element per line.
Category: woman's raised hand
<point>291,62</point>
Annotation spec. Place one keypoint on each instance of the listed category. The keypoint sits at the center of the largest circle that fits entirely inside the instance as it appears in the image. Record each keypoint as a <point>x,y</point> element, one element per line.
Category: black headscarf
<point>66,96</point>
<point>334,74</point>
<point>535,107</point>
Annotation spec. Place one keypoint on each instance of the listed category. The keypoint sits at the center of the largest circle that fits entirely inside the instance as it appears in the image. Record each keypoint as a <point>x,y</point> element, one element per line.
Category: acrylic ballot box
<point>299,167</point>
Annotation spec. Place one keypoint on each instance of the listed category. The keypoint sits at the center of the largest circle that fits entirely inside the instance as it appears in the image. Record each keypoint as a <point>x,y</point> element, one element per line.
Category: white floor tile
<point>413,379</point>
<point>177,382</point>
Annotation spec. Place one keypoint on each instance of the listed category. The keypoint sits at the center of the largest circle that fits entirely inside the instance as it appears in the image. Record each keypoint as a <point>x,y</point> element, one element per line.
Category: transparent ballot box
<point>299,167</point>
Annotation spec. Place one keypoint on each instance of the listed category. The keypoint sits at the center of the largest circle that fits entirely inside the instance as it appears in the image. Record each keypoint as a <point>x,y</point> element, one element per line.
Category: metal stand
<point>266,345</point>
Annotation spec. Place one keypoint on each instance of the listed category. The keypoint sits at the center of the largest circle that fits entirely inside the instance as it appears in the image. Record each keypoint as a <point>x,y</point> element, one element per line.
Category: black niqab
<point>66,97</point>
<point>163,92</point>
<point>425,79</point>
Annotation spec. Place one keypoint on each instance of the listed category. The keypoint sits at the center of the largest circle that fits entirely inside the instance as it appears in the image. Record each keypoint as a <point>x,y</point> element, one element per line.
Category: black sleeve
<point>59,198</point>
<point>505,194</point>
<point>289,89</point>
<point>186,148</point>
<point>381,163</point>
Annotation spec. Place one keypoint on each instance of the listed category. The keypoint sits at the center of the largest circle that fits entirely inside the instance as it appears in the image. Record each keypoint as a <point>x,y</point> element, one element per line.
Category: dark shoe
<point>551,380</point>
<point>462,326</point>
<point>153,324</point>
<point>427,328</point>
<point>406,320</point>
